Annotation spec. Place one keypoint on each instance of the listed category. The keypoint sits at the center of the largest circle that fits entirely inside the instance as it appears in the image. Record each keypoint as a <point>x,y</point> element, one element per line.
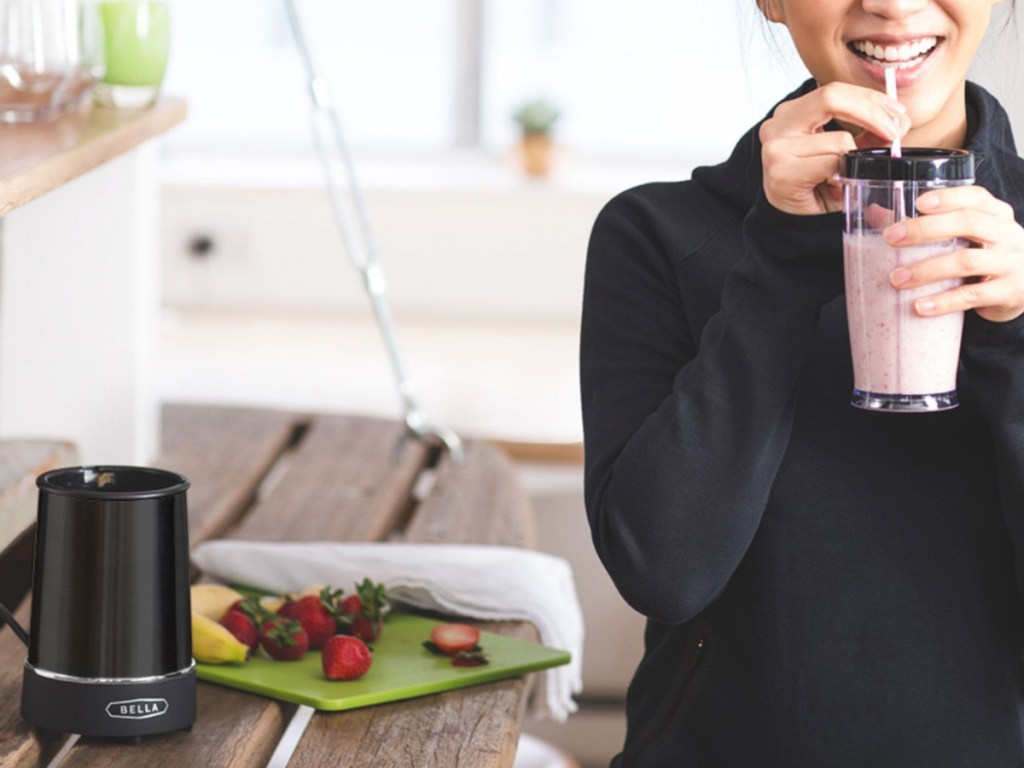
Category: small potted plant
<point>536,120</point>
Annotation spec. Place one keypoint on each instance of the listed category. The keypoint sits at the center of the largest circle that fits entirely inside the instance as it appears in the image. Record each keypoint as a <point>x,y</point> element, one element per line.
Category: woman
<point>825,586</point>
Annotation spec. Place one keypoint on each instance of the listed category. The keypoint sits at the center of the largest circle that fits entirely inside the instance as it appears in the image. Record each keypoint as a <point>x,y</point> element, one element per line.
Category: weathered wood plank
<point>21,461</point>
<point>226,453</point>
<point>475,727</point>
<point>480,501</point>
<point>20,746</point>
<point>349,480</point>
<point>237,731</point>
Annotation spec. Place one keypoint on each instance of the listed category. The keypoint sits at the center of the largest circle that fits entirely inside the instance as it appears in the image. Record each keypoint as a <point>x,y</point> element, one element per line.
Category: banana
<point>272,604</point>
<point>214,644</point>
<point>213,600</point>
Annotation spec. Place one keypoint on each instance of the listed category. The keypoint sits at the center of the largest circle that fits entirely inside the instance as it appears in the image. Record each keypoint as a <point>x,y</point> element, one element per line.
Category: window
<point>638,78</point>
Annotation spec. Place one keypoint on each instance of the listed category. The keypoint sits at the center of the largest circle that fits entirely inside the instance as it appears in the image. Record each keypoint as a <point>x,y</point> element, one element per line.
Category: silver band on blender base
<point>190,669</point>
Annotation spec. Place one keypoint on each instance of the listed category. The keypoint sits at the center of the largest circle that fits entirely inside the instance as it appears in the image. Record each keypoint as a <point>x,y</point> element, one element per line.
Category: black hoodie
<point>824,586</point>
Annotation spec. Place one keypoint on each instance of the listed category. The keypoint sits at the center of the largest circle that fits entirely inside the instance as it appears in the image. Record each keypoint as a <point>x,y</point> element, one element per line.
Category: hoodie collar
<point>739,180</point>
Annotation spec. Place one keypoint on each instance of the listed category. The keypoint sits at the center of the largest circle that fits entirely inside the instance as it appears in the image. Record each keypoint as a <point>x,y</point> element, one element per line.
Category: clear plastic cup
<point>902,362</point>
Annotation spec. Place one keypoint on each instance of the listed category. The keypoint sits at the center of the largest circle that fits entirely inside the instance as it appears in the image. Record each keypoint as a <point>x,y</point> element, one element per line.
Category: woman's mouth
<point>904,55</point>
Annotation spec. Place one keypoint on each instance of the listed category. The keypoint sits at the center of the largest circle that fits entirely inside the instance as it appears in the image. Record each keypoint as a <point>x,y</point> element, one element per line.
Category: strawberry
<point>284,639</point>
<point>469,659</point>
<point>315,614</point>
<point>289,608</point>
<point>345,658</point>
<point>351,605</point>
<point>242,627</point>
<point>453,638</point>
<point>362,614</point>
<point>243,619</point>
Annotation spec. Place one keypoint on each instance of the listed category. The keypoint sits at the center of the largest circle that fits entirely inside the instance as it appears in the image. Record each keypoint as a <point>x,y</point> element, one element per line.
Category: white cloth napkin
<point>482,582</point>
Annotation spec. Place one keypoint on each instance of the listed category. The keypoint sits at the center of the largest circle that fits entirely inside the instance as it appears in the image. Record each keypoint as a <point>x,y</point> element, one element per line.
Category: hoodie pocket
<point>674,707</point>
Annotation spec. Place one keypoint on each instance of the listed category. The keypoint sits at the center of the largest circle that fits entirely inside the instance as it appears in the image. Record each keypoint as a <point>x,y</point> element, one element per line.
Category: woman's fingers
<point>972,196</point>
<point>796,166</point>
<point>799,157</point>
<point>969,212</point>
<point>868,109</point>
<point>993,275</point>
<point>968,223</point>
<point>956,265</point>
<point>997,297</point>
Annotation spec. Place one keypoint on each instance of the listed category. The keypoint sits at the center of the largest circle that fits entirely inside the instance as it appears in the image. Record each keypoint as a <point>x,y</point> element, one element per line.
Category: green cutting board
<point>402,669</point>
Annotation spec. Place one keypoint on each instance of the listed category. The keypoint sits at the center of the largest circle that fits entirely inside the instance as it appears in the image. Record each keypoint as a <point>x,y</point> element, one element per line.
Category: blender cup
<point>902,362</point>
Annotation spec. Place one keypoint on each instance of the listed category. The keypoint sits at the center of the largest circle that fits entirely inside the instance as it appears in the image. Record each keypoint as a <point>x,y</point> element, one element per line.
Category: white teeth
<point>902,55</point>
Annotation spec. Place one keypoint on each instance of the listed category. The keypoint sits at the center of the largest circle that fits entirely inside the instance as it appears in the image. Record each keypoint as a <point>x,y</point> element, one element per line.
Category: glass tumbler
<point>50,57</point>
<point>137,38</point>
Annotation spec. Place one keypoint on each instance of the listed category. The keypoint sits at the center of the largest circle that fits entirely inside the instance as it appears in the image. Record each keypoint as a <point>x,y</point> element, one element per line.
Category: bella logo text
<point>137,709</point>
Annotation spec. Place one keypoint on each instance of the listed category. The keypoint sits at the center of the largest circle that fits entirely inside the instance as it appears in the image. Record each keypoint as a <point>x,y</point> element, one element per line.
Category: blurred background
<point>484,260</point>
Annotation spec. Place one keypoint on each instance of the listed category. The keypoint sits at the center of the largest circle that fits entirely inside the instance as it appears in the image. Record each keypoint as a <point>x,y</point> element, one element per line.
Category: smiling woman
<point>824,586</point>
<point>932,45</point>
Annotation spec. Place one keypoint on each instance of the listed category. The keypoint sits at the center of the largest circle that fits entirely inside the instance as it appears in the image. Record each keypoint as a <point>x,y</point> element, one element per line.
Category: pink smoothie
<point>895,350</point>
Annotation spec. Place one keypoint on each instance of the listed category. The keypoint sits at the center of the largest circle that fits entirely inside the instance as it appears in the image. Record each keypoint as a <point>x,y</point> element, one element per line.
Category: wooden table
<point>270,475</point>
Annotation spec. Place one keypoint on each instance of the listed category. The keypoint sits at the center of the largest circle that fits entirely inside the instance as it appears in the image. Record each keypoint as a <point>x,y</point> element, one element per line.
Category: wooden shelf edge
<point>40,157</point>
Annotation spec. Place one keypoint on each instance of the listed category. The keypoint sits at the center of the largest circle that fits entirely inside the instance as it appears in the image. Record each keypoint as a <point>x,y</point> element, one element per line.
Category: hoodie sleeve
<point>684,435</point>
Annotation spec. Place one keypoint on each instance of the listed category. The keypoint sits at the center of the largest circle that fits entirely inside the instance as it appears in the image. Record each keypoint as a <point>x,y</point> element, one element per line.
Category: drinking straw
<point>890,91</point>
<point>896,149</point>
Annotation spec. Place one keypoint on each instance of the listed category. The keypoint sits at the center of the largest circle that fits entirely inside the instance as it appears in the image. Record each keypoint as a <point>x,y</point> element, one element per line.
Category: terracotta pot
<point>537,152</point>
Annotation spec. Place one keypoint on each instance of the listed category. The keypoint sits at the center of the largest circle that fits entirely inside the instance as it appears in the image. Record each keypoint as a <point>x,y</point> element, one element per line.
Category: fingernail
<point>891,105</point>
<point>924,305</point>
<point>895,233</point>
<point>927,202</point>
<point>900,276</point>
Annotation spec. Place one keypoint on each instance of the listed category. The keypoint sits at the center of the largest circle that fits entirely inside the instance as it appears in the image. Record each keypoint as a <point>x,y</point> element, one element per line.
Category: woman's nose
<point>894,9</point>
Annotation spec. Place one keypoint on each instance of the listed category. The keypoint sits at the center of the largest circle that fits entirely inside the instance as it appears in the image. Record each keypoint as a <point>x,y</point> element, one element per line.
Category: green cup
<point>137,36</point>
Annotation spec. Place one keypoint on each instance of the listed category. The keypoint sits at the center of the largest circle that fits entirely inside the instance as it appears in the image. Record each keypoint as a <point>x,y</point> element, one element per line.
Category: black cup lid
<point>112,482</point>
<point>916,164</point>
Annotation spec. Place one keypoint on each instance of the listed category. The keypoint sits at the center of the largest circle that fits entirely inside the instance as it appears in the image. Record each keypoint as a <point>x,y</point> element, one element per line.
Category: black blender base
<point>123,710</point>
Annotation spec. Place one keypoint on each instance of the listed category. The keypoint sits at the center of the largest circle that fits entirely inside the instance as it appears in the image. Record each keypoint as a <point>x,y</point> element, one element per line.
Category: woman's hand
<point>993,273</point>
<point>801,159</point>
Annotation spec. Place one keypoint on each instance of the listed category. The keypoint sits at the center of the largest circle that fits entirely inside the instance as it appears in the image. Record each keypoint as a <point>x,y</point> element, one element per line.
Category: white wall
<point>999,65</point>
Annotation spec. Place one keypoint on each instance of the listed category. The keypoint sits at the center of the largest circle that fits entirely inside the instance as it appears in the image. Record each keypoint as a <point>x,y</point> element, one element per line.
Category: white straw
<point>890,91</point>
<point>896,149</point>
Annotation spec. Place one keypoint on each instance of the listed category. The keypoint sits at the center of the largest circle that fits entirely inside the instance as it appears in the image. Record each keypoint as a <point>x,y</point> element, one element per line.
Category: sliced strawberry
<point>452,638</point>
<point>345,658</point>
<point>284,639</point>
<point>469,659</point>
